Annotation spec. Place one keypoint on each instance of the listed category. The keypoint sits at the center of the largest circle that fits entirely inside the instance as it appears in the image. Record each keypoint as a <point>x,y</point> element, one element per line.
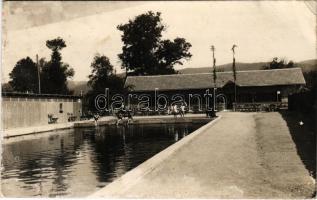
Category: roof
<point>33,95</point>
<point>290,76</point>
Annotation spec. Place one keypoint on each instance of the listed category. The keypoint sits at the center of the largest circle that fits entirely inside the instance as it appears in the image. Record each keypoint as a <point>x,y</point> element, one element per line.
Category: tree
<point>55,73</point>
<point>311,80</point>
<point>24,76</point>
<point>144,52</point>
<point>279,64</point>
<point>102,76</point>
<point>6,87</point>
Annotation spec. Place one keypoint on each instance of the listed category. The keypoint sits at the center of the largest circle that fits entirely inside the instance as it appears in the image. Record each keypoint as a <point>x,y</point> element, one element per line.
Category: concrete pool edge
<point>132,177</point>
<point>35,130</point>
<point>109,120</point>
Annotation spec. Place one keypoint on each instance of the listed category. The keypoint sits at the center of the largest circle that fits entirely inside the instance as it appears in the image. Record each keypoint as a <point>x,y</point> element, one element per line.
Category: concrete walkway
<point>243,155</point>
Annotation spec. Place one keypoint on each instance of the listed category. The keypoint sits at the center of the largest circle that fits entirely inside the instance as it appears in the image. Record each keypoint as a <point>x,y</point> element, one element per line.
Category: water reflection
<point>78,162</point>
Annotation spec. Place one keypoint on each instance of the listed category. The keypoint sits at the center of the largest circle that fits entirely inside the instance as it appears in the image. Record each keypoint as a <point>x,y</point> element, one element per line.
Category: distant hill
<point>81,86</point>
<point>307,65</point>
<point>225,67</point>
<point>78,87</point>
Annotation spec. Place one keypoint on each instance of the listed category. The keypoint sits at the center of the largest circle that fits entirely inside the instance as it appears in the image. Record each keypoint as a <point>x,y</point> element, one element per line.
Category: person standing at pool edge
<point>182,110</point>
<point>175,111</point>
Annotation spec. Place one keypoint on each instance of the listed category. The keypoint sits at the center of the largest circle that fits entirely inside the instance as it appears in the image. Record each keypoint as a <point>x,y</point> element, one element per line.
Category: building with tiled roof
<point>251,78</point>
<point>251,86</point>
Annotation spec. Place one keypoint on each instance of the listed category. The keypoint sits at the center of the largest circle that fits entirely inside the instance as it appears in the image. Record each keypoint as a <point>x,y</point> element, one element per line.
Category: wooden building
<point>25,110</point>
<point>254,86</point>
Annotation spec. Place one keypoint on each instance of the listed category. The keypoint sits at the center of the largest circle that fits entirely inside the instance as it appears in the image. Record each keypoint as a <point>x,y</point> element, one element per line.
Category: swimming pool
<point>78,162</point>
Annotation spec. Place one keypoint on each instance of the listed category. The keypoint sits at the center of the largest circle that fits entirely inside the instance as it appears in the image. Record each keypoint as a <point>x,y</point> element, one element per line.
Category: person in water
<point>120,114</point>
<point>129,115</point>
<point>96,117</point>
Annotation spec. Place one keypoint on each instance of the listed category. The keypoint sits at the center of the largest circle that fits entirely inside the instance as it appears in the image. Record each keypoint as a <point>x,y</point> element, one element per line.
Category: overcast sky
<point>261,29</point>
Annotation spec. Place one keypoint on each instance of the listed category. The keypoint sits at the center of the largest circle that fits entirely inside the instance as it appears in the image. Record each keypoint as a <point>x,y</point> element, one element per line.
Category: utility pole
<point>38,72</point>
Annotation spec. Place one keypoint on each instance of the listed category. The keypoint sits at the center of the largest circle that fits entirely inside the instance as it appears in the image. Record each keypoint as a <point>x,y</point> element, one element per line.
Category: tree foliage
<point>102,76</point>
<point>24,76</point>
<point>56,44</point>
<point>311,80</point>
<point>55,73</point>
<point>277,63</point>
<point>144,52</point>
<point>6,87</point>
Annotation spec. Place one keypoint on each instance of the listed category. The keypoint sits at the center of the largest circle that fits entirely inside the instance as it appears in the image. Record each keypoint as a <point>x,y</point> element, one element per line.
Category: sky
<point>261,30</point>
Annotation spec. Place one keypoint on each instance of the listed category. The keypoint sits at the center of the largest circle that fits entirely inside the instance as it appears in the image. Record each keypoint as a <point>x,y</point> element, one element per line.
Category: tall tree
<point>102,76</point>
<point>144,52</point>
<point>24,76</point>
<point>55,73</point>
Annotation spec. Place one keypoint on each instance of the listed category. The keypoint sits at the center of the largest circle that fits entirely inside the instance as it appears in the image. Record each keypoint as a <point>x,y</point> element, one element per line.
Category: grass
<point>304,137</point>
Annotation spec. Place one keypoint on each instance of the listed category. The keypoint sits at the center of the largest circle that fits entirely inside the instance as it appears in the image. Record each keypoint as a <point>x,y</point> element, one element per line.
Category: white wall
<point>25,112</point>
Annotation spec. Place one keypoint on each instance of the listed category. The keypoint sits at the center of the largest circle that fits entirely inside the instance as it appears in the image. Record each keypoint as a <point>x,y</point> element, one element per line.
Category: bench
<point>52,119</point>
<point>72,118</point>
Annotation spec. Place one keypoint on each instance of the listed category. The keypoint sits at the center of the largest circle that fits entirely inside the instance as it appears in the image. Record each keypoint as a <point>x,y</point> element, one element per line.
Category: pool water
<point>78,162</point>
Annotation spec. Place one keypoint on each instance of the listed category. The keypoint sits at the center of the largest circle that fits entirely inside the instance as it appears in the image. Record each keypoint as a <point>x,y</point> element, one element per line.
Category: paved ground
<point>243,155</point>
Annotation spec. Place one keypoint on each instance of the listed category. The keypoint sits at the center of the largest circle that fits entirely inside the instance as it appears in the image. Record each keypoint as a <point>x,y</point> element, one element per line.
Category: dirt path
<point>243,155</point>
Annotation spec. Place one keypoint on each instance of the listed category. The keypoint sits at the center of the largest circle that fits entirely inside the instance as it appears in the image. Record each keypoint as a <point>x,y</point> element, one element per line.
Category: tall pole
<point>214,74</point>
<point>38,72</point>
<point>234,73</point>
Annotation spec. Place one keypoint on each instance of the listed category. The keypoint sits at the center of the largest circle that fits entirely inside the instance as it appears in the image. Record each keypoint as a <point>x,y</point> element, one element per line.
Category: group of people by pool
<point>171,110</point>
<point>125,115</point>
<point>177,109</point>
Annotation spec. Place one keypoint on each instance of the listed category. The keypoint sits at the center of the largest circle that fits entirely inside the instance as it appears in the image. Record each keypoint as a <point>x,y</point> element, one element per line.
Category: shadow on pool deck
<point>304,137</point>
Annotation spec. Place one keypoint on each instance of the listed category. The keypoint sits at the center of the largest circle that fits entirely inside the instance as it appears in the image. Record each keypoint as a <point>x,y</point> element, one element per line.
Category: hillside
<point>81,86</point>
<point>225,67</point>
<point>307,65</point>
<point>78,87</point>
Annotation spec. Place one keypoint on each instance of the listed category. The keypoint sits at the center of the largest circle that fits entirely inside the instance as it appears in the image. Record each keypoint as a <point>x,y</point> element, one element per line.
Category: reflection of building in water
<point>40,156</point>
<point>170,130</point>
<point>176,136</point>
<point>185,130</point>
<point>131,130</point>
